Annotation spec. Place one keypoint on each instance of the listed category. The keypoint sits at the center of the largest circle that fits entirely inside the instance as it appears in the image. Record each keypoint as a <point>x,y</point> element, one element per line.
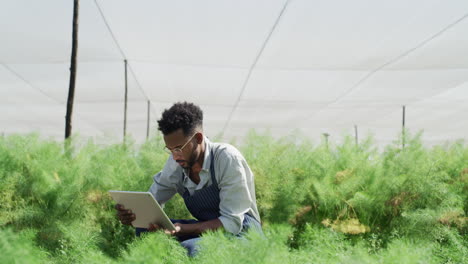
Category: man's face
<point>183,147</point>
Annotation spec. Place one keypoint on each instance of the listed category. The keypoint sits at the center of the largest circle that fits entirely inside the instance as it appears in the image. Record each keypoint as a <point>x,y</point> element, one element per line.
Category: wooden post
<point>148,120</point>
<point>403,127</point>
<point>73,66</point>
<point>356,135</point>
<point>125,104</point>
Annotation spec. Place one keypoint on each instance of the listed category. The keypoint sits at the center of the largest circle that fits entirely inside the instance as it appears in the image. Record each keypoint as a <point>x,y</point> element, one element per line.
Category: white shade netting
<point>298,66</point>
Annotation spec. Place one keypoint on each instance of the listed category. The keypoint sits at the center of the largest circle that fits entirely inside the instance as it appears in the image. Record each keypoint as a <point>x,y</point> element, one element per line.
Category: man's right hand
<point>125,216</point>
<point>153,227</point>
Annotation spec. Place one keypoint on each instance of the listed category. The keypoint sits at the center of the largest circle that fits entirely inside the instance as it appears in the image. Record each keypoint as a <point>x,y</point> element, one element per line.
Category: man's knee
<point>191,245</point>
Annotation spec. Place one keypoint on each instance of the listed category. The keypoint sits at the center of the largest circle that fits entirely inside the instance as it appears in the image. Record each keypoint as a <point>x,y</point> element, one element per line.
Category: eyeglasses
<point>178,150</point>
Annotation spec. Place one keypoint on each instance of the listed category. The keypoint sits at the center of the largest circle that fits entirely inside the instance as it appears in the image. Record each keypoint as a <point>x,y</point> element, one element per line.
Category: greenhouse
<point>351,116</point>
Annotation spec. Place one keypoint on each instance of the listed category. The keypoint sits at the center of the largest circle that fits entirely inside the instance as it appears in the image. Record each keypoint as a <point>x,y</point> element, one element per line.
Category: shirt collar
<point>207,158</point>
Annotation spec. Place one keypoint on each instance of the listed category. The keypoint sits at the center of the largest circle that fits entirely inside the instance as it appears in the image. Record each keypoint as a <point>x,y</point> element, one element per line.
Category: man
<point>214,180</point>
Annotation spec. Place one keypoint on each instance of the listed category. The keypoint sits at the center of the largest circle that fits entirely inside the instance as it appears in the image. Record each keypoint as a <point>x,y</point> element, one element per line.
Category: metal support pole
<point>326,135</point>
<point>126,98</point>
<point>356,135</point>
<point>148,120</point>
<point>403,127</point>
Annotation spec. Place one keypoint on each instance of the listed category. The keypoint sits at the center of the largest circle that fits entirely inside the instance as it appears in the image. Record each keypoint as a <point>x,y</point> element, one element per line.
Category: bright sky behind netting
<point>311,66</point>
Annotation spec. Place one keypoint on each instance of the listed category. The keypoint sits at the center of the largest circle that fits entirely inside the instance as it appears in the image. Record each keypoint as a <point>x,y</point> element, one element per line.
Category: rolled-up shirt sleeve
<point>234,192</point>
<point>165,183</point>
<point>161,189</point>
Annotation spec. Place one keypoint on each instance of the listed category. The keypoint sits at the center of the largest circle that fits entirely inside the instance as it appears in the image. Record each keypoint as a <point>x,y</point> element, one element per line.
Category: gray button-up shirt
<point>234,177</point>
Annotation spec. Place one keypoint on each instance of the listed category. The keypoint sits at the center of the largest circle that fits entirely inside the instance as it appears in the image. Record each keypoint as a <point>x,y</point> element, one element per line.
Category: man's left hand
<point>176,232</point>
<point>155,227</point>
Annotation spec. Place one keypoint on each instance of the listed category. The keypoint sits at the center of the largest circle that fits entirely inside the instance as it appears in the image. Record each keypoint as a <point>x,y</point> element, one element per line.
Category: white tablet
<point>146,209</point>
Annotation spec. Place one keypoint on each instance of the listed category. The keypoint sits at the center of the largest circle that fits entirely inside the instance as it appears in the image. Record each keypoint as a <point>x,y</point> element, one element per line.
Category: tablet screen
<point>146,209</point>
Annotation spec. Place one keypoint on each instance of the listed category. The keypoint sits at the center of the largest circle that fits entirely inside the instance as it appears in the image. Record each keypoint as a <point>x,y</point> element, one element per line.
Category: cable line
<point>19,76</point>
<point>397,58</point>
<point>29,83</point>
<point>246,81</point>
<point>122,53</point>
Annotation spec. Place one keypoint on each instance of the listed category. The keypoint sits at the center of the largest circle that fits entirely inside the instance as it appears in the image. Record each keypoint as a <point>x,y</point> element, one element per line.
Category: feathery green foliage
<point>319,203</point>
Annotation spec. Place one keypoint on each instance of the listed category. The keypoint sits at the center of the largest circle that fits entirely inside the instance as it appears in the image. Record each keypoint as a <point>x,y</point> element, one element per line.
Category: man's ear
<point>199,137</point>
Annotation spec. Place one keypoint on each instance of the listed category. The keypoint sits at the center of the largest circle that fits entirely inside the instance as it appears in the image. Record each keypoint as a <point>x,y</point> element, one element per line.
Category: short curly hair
<point>185,116</point>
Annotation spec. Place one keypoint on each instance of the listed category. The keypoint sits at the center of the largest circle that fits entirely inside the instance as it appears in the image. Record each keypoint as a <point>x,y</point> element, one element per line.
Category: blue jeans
<point>190,242</point>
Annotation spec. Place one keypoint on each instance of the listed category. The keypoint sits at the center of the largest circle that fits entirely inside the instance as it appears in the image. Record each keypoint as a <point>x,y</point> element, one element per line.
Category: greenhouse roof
<point>312,67</point>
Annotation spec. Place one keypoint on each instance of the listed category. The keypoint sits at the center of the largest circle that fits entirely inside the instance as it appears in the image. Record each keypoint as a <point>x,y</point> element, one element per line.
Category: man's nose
<point>176,155</point>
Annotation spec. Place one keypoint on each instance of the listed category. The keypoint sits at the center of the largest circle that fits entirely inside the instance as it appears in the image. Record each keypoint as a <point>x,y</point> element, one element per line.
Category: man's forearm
<point>201,227</point>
